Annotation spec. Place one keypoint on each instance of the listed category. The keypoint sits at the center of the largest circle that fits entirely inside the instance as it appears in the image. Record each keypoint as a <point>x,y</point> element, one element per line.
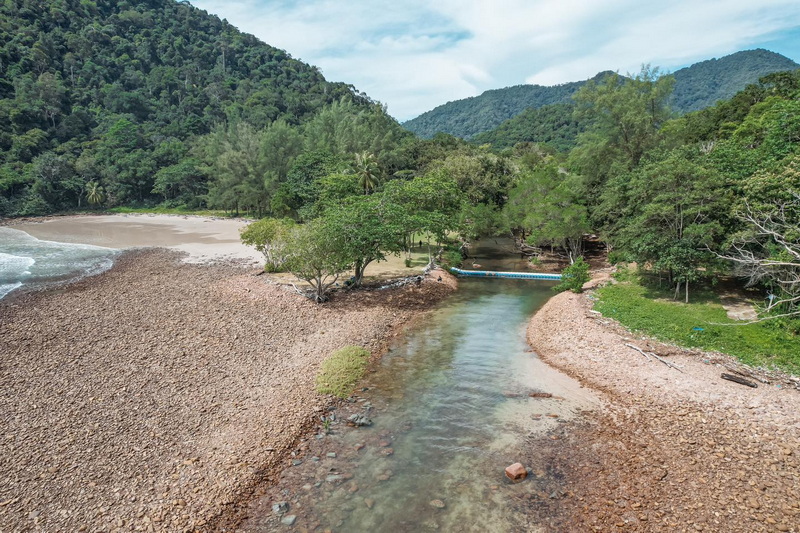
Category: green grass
<point>170,211</point>
<point>342,370</point>
<point>695,325</point>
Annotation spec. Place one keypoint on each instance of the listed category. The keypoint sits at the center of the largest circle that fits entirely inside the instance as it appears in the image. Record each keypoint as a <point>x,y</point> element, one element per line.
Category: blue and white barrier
<point>513,275</point>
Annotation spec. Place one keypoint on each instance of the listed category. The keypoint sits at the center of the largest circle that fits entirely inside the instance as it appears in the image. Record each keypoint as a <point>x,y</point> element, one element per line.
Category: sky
<point>413,55</point>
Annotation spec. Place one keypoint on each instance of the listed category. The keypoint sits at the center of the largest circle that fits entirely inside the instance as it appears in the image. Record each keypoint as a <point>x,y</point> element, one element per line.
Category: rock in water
<point>359,420</point>
<point>516,472</point>
<point>439,504</point>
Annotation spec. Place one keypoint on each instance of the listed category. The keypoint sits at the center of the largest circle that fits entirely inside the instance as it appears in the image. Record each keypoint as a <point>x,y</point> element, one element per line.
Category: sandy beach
<point>670,450</point>
<point>202,239</point>
<point>155,396</point>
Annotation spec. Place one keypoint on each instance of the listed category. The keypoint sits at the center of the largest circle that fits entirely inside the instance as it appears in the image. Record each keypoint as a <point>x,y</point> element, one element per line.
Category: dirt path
<point>670,451</point>
<point>155,396</point>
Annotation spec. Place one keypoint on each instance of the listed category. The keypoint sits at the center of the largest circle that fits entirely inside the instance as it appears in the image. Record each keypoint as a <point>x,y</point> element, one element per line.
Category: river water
<point>451,409</point>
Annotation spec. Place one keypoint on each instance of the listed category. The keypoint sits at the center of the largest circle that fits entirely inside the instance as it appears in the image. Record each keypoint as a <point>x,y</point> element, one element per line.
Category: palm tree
<point>94,193</point>
<point>368,172</point>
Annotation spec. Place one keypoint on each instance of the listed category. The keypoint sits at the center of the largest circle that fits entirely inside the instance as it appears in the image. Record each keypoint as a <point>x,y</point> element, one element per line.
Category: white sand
<point>203,239</point>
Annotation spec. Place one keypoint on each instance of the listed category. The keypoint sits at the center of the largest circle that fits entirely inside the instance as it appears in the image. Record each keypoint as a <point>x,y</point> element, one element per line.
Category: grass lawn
<point>699,325</point>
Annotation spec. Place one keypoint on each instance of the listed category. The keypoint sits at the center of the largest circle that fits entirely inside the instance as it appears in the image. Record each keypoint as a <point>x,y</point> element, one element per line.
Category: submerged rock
<point>359,419</point>
<point>516,472</point>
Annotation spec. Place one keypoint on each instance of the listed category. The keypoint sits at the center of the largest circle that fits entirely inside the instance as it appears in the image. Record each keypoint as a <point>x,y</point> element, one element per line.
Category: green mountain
<point>553,125</point>
<point>470,116</point>
<point>696,87</point>
<point>115,94</point>
<point>706,83</point>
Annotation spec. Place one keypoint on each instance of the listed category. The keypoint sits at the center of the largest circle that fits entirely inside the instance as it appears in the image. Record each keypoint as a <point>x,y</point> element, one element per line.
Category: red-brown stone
<point>516,472</point>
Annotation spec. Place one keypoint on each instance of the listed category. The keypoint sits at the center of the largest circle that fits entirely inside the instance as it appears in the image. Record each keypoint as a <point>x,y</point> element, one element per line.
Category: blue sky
<point>413,55</point>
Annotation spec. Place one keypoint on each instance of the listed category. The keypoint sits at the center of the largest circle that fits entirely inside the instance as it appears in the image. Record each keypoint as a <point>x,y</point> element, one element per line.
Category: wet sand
<point>157,395</point>
<point>201,238</point>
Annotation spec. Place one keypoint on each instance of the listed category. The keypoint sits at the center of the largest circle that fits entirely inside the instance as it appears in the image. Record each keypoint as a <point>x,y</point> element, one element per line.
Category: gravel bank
<point>669,451</point>
<point>157,395</point>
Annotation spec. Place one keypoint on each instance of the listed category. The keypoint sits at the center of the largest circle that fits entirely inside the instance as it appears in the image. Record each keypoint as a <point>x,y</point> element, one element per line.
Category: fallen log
<point>741,381</point>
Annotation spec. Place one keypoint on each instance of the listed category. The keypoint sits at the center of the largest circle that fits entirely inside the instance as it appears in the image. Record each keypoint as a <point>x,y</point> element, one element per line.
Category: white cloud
<point>414,55</point>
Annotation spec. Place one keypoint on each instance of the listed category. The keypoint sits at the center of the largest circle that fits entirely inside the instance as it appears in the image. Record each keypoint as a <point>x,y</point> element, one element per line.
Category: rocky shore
<point>671,450</point>
<point>156,396</point>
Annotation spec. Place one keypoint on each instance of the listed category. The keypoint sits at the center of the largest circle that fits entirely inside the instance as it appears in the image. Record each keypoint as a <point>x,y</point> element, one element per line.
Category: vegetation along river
<point>450,407</point>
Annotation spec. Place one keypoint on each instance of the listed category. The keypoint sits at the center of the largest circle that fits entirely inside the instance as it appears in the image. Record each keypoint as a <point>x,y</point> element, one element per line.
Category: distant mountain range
<point>696,87</point>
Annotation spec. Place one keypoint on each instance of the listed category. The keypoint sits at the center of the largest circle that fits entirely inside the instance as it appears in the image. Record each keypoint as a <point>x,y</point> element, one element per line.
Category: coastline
<point>158,395</point>
<point>668,450</point>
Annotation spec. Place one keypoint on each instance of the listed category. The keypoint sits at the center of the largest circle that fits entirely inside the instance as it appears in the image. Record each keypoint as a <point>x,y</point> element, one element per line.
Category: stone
<point>288,520</point>
<point>369,502</point>
<point>280,507</point>
<point>516,472</point>
<point>540,395</point>
<point>439,504</point>
<point>359,420</point>
<point>332,455</point>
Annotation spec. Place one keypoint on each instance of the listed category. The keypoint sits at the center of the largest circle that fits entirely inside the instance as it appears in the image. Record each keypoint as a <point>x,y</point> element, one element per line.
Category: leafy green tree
<point>317,254</point>
<point>675,211</point>
<point>574,276</point>
<point>546,204</point>
<point>270,237</point>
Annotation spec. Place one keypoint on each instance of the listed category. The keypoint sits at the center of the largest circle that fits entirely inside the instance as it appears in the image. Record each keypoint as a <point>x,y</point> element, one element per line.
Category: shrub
<point>574,276</point>
<point>341,371</point>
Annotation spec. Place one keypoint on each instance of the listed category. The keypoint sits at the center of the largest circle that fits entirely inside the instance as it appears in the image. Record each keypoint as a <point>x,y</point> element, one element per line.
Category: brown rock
<point>516,472</point>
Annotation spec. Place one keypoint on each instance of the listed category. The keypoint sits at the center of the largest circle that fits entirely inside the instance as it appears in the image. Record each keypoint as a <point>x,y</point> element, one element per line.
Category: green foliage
<point>270,237</point>
<point>551,125</point>
<point>341,371</point>
<point>470,116</point>
<point>704,84</point>
<point>503,117</point>
<point>547,205</point>
<point>696,325</point>
<point>574,276</point>
<point>108,88</point>
<point>316,253</point>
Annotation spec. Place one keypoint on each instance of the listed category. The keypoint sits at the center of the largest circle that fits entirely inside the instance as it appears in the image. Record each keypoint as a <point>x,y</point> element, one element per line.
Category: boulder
<point>516,472</point>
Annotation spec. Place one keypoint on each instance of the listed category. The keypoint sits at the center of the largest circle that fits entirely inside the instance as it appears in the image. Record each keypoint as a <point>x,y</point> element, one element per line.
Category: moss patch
<point>342,370</point>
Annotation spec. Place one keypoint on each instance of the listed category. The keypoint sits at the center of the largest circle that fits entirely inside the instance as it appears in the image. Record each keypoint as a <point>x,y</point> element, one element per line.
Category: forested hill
<point>696,87</point>
<point>706,83</point>
<point>470,116</point>
<point>111,92</point>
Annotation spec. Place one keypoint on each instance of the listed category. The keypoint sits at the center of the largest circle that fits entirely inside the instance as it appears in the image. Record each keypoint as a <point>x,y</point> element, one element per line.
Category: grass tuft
<point>342,370</point>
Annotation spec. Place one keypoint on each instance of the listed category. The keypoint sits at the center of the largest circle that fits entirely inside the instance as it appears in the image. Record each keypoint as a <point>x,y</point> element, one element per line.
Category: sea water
<point>26,261</point>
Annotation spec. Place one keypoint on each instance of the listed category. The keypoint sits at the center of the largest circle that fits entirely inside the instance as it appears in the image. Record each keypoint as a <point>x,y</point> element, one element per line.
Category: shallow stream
<point>451,409</point>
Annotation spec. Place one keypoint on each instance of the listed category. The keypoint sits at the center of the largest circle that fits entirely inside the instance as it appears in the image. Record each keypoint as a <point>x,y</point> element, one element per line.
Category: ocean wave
<point>28,261</point>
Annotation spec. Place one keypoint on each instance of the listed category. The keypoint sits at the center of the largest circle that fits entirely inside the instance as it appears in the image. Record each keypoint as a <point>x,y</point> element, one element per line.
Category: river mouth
<point>451,404</point>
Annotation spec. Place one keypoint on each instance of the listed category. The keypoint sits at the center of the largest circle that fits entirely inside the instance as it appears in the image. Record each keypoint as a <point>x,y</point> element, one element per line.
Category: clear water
<point>28,261</point>
<point>450,401</point>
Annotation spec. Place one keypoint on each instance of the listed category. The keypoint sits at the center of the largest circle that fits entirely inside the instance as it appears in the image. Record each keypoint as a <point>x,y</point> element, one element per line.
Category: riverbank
<point>670,450</point>
<point>158,394</point>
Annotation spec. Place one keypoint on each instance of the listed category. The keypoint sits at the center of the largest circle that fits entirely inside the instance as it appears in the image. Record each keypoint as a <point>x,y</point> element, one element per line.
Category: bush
<point>574,276</point>
<point>342,370</point>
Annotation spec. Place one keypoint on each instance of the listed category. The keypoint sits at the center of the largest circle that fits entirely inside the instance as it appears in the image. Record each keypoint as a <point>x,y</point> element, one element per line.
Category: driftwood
<point>648,354</point>
<point>639,350</point>
<point>746,374</point>
<point>741,381</point>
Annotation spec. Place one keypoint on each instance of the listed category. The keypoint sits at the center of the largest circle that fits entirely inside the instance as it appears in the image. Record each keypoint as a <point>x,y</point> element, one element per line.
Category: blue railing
<point>513,275</point>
